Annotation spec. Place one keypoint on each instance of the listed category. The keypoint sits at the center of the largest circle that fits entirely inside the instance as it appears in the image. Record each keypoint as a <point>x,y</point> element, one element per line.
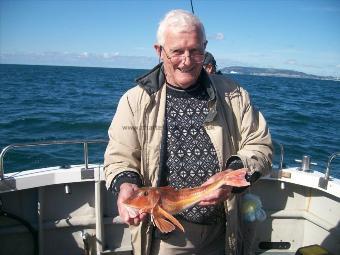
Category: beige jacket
<point>234,126</point>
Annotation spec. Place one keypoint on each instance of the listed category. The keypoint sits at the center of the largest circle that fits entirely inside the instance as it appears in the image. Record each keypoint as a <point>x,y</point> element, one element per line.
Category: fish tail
<point>236,178</point>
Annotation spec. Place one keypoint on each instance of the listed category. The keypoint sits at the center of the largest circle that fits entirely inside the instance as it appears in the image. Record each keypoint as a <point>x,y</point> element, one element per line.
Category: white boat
<point>66,210</point>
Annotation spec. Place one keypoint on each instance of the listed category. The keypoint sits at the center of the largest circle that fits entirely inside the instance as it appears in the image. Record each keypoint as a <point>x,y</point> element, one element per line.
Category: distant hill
<point>272,72</point>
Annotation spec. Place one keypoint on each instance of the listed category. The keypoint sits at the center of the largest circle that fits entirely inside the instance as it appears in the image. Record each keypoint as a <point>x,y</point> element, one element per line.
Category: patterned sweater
<point>190,155</point>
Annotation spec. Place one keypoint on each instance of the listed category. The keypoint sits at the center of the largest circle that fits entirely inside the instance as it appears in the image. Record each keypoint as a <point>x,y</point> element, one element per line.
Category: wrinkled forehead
<point>175,35</point>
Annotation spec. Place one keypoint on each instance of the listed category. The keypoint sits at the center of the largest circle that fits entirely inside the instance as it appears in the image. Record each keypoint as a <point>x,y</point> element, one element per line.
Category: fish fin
<point>133,212</point>
<point>170,218</point>
<point>163,225</point>
<point>236,178</point>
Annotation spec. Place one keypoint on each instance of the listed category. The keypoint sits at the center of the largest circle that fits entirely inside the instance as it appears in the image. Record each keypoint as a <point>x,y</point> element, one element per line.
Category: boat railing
<point>47,143</point>
<point>323,182</point>
<point>85,151</point>
<point>282,154</point>
<point>328,169</point>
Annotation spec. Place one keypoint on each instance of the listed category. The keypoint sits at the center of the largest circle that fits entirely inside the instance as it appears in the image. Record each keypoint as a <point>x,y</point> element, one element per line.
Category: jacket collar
<point>153,80</point>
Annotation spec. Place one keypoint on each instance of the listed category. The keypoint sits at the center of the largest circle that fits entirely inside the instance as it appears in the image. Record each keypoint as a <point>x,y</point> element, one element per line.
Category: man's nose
<point>186,58</point>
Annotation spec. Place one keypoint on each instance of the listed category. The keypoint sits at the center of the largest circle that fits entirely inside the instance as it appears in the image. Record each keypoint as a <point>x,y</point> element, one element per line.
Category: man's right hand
<point>126,191</point>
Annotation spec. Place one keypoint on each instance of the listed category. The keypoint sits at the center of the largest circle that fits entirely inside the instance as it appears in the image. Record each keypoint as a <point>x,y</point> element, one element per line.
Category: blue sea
<point>47,103</point>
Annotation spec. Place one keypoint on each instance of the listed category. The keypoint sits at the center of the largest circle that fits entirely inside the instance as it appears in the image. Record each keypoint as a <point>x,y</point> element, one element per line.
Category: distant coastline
<point>274,72</point>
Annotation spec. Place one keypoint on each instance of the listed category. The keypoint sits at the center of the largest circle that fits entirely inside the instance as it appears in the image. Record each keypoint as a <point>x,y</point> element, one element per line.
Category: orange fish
<point>163,202</point>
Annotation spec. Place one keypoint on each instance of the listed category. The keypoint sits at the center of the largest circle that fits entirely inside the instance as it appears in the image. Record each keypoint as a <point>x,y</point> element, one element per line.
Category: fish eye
<point>146,193</point>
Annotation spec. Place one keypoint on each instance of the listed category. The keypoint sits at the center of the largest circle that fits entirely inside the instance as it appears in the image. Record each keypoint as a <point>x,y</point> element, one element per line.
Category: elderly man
<point>179,127</point>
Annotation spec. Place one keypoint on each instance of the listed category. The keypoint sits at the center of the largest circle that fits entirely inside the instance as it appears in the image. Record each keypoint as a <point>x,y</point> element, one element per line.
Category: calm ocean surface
<point>44,103</point>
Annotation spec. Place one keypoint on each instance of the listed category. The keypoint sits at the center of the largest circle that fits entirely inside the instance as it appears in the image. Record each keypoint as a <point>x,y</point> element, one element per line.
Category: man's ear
<point>158,49</point>
<point>205,44</point>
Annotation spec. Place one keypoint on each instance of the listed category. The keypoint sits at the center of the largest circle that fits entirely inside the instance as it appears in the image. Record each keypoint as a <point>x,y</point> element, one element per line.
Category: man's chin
<point>186,80</point>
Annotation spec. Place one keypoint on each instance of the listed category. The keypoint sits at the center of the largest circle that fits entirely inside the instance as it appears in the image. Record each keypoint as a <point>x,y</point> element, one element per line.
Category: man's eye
<point>196,52</point>
<point>177,52</point>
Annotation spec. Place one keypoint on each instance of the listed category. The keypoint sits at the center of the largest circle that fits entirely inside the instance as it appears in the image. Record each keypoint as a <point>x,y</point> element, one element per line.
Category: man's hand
<point>126,190</point>
<point>218,195</point>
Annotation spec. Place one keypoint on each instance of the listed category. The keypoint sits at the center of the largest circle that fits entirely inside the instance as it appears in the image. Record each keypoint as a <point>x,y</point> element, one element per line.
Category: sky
<point>301,35</point>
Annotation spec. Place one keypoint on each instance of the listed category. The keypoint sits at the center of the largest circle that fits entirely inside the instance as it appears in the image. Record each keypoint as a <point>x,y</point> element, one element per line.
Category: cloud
<point>84,55</point>
<point>106,59</point>
<point>218,36</point>
<point>291,62</point>
<point>109,55</point>
<point>337,66</point>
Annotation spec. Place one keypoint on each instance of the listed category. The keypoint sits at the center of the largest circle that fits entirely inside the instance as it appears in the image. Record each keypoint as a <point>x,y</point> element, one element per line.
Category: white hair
<point>179,20</point>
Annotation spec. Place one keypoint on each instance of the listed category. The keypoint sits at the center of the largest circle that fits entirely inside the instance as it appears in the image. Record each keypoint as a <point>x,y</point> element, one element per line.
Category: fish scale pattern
<point>190,157</point>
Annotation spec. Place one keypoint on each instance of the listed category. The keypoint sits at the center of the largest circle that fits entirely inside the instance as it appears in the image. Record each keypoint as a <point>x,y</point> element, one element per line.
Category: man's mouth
<point>185,70</point>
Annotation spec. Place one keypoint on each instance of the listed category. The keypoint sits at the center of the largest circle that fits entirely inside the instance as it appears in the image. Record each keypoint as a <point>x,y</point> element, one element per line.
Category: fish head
<point>144,199</point>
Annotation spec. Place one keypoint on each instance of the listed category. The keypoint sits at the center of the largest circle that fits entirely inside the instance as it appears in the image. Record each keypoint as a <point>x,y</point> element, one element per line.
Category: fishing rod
<point>192,7</point>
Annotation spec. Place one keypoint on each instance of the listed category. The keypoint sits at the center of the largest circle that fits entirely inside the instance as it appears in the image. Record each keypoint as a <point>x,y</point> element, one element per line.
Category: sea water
<point>47,103</point>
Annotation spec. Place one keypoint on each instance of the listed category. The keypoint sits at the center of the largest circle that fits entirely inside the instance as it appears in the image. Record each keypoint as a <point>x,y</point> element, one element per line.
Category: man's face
<point>180,54</point>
